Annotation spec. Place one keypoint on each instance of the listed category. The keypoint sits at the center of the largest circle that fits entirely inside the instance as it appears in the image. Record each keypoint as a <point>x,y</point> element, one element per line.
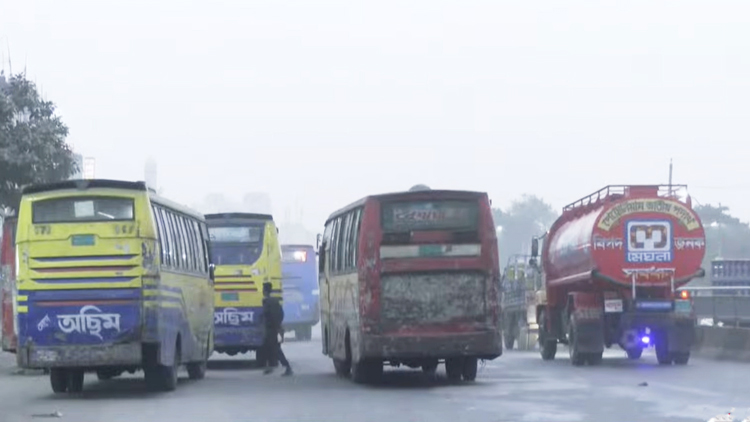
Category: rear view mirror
<point>212,272</point>
<point>532,263</point>
<point>535,247</point>
<point>318,242</point>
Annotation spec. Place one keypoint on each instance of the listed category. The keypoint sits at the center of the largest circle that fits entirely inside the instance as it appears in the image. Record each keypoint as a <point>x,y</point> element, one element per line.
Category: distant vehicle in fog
<point>411,279</point>
<point>300,280</point>
<point>246,251</point>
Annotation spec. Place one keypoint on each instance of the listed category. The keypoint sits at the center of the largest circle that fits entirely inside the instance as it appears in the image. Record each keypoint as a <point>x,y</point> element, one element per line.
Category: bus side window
<point>346,243</point>
<point>334,246</point>
<point>167,240</point>
<point>354,237</point>
<point>341,246</point>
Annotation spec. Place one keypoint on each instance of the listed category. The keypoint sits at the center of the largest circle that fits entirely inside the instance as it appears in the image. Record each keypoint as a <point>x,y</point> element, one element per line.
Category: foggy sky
<point>324,102</point>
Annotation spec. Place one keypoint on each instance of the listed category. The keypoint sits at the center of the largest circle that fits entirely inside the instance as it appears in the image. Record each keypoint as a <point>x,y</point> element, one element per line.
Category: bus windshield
<point>83,209</point>
<point>236,245</point>
<point>429,215</point>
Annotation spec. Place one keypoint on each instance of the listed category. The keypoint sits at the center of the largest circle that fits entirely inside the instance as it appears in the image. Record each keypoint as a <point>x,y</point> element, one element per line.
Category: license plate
<point>613,305</point>
<point>683,306</point>
<point>655,305</point>
<point>430,250</point>
<point>83,240</point>
<point>230,297</point>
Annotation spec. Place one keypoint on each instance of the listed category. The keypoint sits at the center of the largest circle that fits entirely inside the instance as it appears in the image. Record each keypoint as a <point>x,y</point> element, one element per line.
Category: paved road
<point>515,387</point>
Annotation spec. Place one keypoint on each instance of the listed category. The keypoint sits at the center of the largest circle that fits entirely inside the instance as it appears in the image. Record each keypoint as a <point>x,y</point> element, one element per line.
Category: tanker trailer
<point>612,263</point>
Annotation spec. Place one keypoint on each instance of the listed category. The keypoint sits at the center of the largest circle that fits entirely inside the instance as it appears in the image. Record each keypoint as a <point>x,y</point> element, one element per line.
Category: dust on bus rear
<point>439,273</point>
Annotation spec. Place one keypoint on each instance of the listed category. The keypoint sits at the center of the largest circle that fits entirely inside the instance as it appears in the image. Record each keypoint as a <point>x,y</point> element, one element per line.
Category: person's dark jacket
<point>273,314</point>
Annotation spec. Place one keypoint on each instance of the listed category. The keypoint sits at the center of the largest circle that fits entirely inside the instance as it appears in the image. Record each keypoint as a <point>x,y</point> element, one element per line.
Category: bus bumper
<point>483,345</point>
<point>242,338</point>
<point>70,356</point>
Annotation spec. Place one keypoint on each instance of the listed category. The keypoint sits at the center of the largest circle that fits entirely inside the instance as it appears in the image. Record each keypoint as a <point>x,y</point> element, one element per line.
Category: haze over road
<point>516,387</point>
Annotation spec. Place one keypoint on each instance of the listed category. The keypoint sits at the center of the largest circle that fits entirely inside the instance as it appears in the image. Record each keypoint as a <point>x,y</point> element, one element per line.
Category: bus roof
<point>138,186</point>
<point>239,216</point>
<point>85,184</point>
<point>408,195</point>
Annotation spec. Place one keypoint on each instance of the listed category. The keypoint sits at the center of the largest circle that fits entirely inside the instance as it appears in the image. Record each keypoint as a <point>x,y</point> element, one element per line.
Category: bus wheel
<point>304,333</point>
<point>59,380</point>
<point>454,369</point>
<point>430,368</point>
<point>75,380</point>
<point>469,370</point>
<point>163,377</point>
<point>197,370</point>
<point>342,367</point>
<point>367,371</point>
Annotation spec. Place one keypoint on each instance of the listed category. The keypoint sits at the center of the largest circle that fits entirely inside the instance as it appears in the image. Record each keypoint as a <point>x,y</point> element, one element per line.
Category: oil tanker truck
<point>612,264</point>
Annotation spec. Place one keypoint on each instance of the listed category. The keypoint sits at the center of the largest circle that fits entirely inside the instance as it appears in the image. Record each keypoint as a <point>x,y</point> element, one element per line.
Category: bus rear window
<point>83,209</point>
<point>291,256</point>
<point>429,215</point>
<point>236,234</point>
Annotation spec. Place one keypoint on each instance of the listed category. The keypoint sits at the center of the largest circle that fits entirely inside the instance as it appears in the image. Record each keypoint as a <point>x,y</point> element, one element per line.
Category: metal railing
<point>728,309</point>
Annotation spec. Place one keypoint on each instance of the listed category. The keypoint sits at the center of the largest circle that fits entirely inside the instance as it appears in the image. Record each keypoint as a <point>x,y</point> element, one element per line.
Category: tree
<point>32,140</point>
<point>527,217</point>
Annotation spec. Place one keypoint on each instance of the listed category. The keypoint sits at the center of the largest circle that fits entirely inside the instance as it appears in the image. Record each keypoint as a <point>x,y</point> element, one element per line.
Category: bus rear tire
<point>164,377</point>
<point>469,369</point>
<point>304,333</point>
<point>367,371</point>
<point>58,378</point>
<point>342,368</point>
<point>454,369</point>
<point>197,370</point>
<point>75,380</point>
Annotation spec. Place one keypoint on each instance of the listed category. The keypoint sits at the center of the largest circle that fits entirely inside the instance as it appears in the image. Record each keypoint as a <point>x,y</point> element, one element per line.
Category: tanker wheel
<point>547,342</point>
<point>662,349</point>
<point>595,358</point>
<point>634,353</point>
<point>681,358</point>
<point>577,358</point>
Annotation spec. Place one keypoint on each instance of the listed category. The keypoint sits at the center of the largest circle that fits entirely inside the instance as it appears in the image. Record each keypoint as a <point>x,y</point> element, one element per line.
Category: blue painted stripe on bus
<point>81,294</point>
<point>85,258</point>
<point>83,280</point>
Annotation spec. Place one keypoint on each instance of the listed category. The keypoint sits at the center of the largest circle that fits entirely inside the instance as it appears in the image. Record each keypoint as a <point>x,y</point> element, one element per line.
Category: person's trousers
<point>272,352</point>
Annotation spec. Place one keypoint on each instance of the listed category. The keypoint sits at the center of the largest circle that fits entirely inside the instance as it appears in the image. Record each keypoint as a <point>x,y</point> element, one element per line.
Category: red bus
<point>410,279</point>
<point>7,283</point>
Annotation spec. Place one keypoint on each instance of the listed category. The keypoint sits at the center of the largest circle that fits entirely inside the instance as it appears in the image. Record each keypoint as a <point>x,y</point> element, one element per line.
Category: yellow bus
<point>246,251</point>
<point>111,278</point>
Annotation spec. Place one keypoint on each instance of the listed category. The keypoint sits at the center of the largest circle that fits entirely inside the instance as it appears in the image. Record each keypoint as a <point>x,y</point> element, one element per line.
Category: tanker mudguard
<point>625,235</point>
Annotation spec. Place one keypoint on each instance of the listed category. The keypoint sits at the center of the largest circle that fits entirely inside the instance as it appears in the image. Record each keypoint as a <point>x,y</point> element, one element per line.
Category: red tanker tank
<point>612,263</point>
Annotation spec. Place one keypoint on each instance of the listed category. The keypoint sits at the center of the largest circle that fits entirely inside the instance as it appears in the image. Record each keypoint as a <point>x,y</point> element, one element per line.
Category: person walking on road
<point>274,336</point>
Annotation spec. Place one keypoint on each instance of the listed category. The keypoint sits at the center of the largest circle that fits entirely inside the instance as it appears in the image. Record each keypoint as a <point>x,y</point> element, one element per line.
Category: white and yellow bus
<point>245,249</point>
<point>112,278</point>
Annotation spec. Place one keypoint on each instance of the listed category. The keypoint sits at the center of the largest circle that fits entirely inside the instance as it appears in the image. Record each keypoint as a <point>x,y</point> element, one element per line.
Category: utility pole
<point>670,177</point>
